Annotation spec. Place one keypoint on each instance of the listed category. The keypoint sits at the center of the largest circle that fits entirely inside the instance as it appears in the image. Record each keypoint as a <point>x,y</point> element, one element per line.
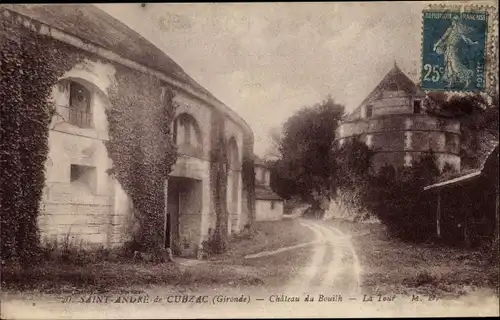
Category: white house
<point>268,205</point>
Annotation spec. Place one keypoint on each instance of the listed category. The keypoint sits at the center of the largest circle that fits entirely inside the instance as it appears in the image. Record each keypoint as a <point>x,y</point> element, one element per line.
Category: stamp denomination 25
<point>454,50</point>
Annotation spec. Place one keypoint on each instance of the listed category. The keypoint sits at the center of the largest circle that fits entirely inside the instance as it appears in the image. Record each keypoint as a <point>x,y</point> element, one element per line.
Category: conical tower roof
<point>395,82</point>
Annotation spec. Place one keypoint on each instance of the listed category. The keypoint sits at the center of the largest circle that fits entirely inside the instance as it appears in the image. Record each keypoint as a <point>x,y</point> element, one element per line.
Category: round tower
<point>394,123</point>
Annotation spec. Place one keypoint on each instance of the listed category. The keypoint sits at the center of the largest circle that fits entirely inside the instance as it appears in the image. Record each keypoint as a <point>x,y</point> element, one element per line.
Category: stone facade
<point>81,201</point>
<point>394,123</point>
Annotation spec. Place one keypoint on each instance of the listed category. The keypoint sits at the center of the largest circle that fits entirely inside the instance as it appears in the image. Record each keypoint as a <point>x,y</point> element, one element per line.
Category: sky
<point>268,60</point>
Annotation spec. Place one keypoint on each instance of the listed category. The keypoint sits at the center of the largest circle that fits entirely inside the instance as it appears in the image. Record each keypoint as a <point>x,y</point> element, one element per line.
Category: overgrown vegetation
<point>30,66</point>
<point>394,196</point>
<point>140,142</point>
<point>398,200</point>
<point>218,181</point>
<point>479,121</point>
<point>142,149</point>
<point>306,166</point>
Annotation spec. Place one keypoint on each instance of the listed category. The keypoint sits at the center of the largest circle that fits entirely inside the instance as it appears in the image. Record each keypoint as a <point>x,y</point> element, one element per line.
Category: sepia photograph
<point>249,160</point>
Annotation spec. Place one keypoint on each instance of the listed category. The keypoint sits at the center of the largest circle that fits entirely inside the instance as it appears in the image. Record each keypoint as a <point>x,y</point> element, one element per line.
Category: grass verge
<point>91,273</point>
<point>267,236</point>
<point>118,277</point>
<point>392,266</point>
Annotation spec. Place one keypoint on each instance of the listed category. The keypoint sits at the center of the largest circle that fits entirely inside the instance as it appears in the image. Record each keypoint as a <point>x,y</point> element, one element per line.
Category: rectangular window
<point>417,106</point>
<point>84,176</point>
<point>272,205</point>
<point>369,111</point>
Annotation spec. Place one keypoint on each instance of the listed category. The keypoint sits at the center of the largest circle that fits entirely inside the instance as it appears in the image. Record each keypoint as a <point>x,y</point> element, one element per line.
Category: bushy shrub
<point>398,201</point>
<point>421,279</point>
<point>209,246</point>
<point>395,197</point>
<point>248,233</point>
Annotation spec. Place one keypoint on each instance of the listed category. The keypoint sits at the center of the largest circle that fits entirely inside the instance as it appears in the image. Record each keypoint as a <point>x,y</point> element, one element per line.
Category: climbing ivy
<point>248,177</point>
<point>30,65</point>
<point>141,147</point>
<point>140,141</point>
<point>218,181</point>
<point>218,241</point>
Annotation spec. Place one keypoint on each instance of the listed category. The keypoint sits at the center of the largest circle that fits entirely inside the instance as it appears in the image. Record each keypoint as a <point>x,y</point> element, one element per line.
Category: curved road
<point>334,265</point>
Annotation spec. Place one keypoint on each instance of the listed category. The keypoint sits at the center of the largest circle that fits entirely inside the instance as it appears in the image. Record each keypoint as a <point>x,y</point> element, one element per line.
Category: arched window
<point>187,134</point>
<point>80,111</point>
<point>233,154</point>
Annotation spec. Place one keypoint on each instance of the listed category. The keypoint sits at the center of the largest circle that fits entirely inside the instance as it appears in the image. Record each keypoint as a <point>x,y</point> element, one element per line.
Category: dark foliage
<point>30,66</point>
<point>397,199</point>
<point>218,180</point>
<point>307,166</point>
<point>479,121</point>
<point>394,196</point>
<point>141,147</point>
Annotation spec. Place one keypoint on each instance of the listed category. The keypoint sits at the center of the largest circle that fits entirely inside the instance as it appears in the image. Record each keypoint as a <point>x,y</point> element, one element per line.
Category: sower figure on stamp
<point>448,45</point>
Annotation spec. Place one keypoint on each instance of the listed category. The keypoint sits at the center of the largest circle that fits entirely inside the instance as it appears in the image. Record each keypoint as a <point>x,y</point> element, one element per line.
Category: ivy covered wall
<point>141,147</point>
<point>140,140</point>
<point>30,65</point>
<point>140,143</point>
<point>248,178</point>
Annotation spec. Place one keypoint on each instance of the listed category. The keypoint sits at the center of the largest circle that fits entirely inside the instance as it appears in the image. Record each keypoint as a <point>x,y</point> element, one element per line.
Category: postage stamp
<point>458,48</point>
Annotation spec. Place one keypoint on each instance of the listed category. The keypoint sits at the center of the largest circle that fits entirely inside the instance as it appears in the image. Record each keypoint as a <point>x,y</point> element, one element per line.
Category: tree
<point>306,159</point>
<point>273,151</point>
<point>353,164</point>
<point>479,120</point>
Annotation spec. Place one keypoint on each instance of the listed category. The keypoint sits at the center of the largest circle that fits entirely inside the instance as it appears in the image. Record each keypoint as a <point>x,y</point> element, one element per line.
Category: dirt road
<point>334,265</point>
<point>332,270</point>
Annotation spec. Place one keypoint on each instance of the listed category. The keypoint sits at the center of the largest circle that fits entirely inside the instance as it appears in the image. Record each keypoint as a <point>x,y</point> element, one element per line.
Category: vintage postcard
<point>249,160</point>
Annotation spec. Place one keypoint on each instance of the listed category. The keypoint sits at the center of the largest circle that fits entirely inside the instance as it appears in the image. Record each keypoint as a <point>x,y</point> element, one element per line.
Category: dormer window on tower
<point>417,106</point>
<point>369,111</point>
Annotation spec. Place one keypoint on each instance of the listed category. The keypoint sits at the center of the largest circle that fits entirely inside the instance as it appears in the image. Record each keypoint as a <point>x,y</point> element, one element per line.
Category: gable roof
<point>395,78</point>
<point>263,193</point>
<point>260,162</point>
<point>92,24</point>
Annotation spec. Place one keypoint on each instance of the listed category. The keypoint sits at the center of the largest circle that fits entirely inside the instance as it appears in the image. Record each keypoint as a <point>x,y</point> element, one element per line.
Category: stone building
<point>393,122</point>
<point>81,200</point>
<point>268,205</point>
